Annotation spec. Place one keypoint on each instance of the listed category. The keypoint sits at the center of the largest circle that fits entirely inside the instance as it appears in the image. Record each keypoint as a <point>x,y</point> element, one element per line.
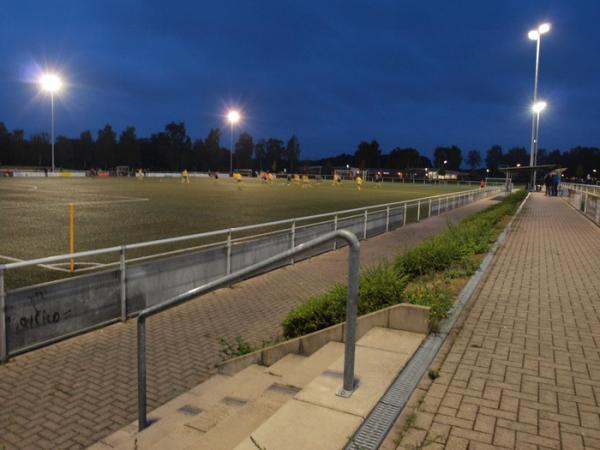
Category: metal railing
<point>351,310</point>
<point>584,198</point>
<point>421,207</point>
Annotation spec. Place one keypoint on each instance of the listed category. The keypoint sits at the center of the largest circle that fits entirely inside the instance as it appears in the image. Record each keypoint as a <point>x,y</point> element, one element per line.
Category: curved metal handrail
<point>351,310</point>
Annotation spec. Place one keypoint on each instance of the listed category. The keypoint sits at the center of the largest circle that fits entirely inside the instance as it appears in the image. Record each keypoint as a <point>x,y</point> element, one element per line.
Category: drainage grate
<point>378,423</point>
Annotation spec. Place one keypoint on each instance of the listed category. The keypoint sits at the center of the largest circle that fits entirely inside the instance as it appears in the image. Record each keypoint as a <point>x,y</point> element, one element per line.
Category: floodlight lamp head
<point>534,35</point>
<point>538,107</point>
<point>544,28</point>
<point>50,82</point>
<point>233,117</point>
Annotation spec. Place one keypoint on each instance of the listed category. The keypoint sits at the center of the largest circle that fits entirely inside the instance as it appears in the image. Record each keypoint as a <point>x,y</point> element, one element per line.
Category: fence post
<point>585,197</point>
<point>293,238</point>
<point>123,281</point>
<point>597,209</point>
<point>387,219</point>
<point>229,252</point>
<point>335,225</point>
<point>365,226</point>
<point>405,214</point>
<point>429,212</point>
<point>3,330</point>
<point>418,210</point>
<point>141,367</point>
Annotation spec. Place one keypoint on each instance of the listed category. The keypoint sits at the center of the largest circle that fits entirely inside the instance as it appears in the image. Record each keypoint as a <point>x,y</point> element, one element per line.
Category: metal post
<point>141,343</point>
<point>123,281</point>
<point>533,156</point>
<point>387,219</point>
<point>293,238</point>
<point>52,120</point>
<point>351,312</point>
<point>439,210</point>
<point>229,252</point>
<point>3,330</point>
<point>585,197</point>
<point>429,212</point>
<point>404,218</point>
<point>419,211</point>
<point>365,226</point>
<point>335,225</point>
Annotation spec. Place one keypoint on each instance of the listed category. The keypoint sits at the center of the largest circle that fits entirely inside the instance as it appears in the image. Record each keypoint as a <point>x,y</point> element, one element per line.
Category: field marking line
<point>32,187</point>
<point>120,199</point>
<point>45,266</point>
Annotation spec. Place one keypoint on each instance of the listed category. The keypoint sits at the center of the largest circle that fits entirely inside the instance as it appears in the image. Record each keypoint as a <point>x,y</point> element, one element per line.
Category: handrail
<point>351,310</point>
<point>227,231</point>
<point>590,189</point>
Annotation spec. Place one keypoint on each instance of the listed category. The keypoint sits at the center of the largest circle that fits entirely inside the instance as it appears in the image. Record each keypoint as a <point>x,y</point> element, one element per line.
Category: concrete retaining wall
<point>47,312</point>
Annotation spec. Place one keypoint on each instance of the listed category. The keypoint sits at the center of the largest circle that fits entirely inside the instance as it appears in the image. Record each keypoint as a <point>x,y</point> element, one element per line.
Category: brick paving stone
<point>529,346</point>
<point>75,392</point>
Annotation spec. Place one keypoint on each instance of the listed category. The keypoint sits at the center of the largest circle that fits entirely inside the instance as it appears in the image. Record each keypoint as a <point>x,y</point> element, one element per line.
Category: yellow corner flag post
<point>72,234</point>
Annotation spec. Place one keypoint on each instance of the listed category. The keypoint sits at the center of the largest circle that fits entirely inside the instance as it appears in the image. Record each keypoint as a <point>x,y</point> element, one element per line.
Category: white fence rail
<point>583,197</point>
<point>44,313</point>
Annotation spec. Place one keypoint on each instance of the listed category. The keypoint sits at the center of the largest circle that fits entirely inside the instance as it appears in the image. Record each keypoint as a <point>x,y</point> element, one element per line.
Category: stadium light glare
<point>533,35</point>
<point>538,107</point>
<point>50,82</point>
<point>233,117</point>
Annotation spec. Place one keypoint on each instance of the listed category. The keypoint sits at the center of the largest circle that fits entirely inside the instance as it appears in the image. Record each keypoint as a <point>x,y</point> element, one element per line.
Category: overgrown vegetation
<point>238,347</point>
<point>416,276</point>
<point>379,287</point>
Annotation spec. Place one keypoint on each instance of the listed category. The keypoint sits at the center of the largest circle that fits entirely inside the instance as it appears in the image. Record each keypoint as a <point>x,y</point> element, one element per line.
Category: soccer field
<point>34,212</point>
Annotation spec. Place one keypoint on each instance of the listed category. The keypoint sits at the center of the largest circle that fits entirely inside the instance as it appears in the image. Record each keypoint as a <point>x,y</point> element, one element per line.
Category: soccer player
<point>359,181</point>
<point>185,176</point>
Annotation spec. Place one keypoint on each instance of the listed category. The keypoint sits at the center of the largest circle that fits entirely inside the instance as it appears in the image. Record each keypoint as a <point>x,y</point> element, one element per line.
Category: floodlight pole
<point>534,120</point>
<point>52,126</point>
<point>231,149</point>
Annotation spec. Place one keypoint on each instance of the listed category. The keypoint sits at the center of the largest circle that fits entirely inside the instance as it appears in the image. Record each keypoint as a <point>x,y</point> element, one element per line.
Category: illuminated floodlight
<point>50,82</point>
<point>544,28</point>
<point>533,35</point>
<point>233,116</point>
<point>518,164</point>
<point>538,107</point>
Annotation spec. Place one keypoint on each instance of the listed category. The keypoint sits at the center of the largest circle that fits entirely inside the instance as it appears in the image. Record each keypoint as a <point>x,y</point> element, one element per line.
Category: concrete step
<point>297,371</point>
<point>230,421</point>
<point>316,417</point>
<point>205,405</point>
<point>233,429</point>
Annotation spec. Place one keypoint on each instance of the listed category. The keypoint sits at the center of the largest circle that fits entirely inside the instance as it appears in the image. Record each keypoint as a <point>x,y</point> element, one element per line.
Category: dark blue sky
<point>407,73</point>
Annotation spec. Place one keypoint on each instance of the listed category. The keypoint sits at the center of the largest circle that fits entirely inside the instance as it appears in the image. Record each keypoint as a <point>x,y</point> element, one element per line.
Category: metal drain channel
<point>378,423</point>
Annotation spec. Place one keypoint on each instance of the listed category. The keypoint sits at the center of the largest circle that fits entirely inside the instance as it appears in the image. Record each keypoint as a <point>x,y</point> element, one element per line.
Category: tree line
<point>173,150</point>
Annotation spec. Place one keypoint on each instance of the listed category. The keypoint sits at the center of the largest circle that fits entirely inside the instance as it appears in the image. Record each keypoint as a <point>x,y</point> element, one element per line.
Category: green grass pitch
<point>34,212</point>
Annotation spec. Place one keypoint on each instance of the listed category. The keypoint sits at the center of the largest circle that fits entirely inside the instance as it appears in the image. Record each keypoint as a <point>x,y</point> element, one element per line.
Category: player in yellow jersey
<point>185,176</point>
<point>359,181</point>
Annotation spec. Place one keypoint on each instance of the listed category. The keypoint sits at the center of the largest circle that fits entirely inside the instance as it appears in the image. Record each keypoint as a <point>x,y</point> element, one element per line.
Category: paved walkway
<point>73,393</point>
<point>524,370</point>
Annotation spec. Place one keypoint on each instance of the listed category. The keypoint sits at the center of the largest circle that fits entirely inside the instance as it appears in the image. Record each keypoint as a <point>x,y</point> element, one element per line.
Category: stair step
<point>316,417</point>
<point>298,370</point>
<point>214,399</point>
<point>233,429</point>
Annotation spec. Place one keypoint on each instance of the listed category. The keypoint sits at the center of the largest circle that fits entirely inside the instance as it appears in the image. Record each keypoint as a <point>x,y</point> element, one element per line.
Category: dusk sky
<point>406,73</point>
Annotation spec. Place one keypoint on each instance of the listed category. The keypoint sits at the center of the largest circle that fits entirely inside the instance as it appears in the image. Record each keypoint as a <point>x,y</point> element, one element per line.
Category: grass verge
<point>430,274</point>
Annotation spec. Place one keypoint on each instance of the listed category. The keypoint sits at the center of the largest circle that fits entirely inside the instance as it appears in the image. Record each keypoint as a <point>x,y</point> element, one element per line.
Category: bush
<point>472,236</point>
<point>379,287</point>
<point>436,297</point>
<point>451,251</point>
